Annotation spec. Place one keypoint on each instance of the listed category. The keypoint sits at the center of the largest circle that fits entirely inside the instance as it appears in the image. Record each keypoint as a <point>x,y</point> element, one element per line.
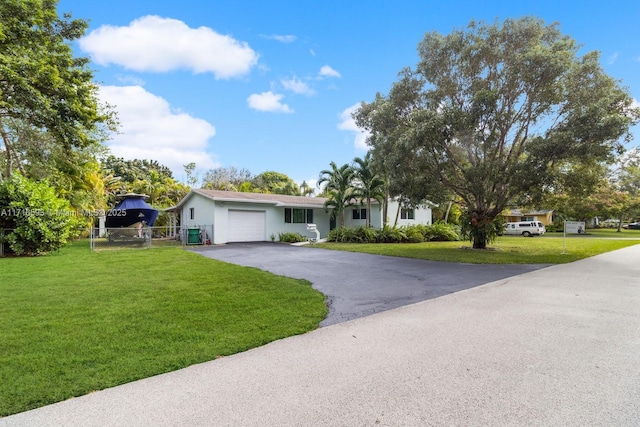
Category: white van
<point>524,228</point>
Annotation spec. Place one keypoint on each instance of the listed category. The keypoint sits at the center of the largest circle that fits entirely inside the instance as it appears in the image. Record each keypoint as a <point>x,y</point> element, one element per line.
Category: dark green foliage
<point>39,221</point>
<point>41,82</point>
<point>132,170</point>
<point>406,234</point>
<point>290,237</point>
<point>553,228</point>
<point>480,229</point>
<point>275,183</point>
<point>494,114</point>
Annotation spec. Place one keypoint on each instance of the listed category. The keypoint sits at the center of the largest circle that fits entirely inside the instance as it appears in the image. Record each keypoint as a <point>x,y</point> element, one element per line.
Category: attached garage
<point>246,226</point>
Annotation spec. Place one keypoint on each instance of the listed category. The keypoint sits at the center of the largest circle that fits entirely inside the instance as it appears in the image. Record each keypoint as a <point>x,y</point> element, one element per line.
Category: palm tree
<point>369,186</point>
<point>305,189</point>
<point>339,189</point>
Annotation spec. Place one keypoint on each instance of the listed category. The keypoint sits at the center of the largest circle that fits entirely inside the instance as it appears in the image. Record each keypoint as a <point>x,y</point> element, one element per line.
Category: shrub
<point>406,234</point>
<point>290,237</point>
<point>551,228</point>
<point>39,220</point>
<point>413,233</point>
<point>440,232</point>
<point>343,235</point>
<point>391,235</point>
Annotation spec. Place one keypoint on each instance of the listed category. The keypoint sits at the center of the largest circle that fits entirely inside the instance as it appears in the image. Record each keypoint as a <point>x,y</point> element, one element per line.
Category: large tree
<point>229,179</point>
<point>494,114</point>
<point>276,183</point>
<point>42,84</point>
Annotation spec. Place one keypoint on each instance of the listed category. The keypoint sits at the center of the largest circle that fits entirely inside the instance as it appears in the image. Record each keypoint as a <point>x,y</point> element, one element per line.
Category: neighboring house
<point>257,217</point>
<point>517,215</point>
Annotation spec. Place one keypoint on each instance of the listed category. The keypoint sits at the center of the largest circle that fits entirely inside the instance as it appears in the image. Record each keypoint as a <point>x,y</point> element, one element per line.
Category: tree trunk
<point>446,216</point>
<point>479,241</point>
<point>479,227</point>
<point>620,223</point>
<point>7,147</point>
<point>385,209</point>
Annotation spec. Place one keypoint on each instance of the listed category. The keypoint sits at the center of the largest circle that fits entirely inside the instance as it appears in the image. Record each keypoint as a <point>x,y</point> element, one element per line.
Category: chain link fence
<point>148,237</point>
<point>141,237</point>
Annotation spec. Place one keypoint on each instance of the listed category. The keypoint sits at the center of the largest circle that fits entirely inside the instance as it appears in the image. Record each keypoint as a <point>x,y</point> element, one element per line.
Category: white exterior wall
<point>422,215</point>
<point>376,217</point>
<point>276,224</point>
<point>203,212</point>
<point>207,212</point>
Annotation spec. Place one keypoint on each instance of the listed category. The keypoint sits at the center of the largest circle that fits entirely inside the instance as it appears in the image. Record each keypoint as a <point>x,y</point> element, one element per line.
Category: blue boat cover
<point>129,211</point>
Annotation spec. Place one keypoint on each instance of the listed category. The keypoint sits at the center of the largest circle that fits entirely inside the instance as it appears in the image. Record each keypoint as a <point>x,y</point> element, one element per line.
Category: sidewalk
<point>558,346</point>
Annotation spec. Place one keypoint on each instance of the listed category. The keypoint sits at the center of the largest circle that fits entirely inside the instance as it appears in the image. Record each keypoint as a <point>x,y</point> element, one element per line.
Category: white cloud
<point>349,124</point>
<point>281,38</point>
<point>268,101</point>
<point>157,44</point>
<point>327,71</point>
<point>312,52</point>
<point>130,80</point>
<point>613,58</point>
<point>297,86</point>
<point>149,129</point>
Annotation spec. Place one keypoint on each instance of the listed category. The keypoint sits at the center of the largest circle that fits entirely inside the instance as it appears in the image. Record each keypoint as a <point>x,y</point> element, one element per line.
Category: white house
<point>256,217</point>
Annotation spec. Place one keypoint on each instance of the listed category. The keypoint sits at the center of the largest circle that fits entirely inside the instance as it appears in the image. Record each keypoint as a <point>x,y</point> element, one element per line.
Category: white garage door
<point>246,226</point>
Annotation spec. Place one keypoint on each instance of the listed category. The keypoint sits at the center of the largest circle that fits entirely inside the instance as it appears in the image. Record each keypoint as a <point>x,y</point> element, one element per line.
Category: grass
<point>75,321</point>
<point>547,249</point>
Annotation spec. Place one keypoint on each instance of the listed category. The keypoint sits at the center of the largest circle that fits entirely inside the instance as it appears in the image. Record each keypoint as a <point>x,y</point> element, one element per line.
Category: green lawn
<point>547,249</point>
<point>75,321</point>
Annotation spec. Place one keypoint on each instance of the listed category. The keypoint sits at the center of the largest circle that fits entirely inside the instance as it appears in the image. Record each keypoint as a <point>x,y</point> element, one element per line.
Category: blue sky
<point>269,85</point>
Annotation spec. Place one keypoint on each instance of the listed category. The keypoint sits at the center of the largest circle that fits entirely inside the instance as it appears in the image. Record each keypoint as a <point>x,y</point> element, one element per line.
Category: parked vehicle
<point>633,226</point>
<point>524,228</point>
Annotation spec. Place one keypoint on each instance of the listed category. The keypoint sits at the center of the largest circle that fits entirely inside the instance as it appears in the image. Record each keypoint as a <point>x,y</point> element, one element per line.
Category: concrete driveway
<point>358,285</point>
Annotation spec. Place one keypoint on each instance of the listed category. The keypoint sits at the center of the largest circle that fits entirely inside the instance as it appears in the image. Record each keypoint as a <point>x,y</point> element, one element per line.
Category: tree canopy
<point>41,83</point>
<point>495,114</point>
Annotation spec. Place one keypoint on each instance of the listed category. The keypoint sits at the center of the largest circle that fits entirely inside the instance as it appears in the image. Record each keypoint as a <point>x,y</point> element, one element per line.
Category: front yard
<point>547,249</point>
<point>75,321</point>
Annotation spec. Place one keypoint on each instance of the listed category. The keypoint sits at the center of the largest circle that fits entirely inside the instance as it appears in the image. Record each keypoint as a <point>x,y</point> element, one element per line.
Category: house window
<point>407,214</point>
<point>359,214</point>
<point>298,216</point>
<point>192,213</point>
<point>528,218</point>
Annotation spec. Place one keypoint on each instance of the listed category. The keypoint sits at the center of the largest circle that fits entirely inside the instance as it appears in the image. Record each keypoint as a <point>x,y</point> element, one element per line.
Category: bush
<point>391,235</point>
<point>342,235</point>
<point>551,228</point>
<point>39,220</point>
<point>291,237</point>
<point>441,232</point>
<point>406,234</point>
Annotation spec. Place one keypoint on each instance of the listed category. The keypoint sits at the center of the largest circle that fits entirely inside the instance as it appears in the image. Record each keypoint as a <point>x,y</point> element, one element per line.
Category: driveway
<point>358,285</point>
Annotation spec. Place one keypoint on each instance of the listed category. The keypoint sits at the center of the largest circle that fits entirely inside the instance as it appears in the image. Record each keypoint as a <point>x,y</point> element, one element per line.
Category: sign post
<point>571,227</point>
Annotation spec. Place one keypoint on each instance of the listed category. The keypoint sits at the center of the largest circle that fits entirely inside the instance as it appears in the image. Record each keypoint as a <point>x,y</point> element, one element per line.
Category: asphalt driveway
<point>357,285</point>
